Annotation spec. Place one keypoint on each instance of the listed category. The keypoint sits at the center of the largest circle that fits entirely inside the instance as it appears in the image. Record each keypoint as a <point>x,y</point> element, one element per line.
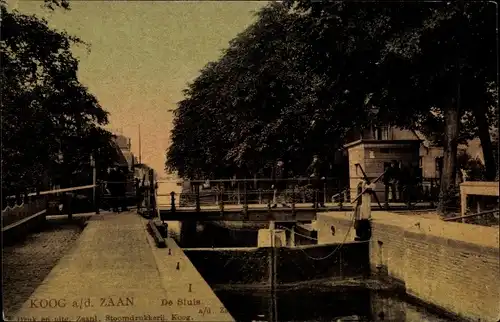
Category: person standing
<point>122,189</point>
<point>316,172</point>
<point>279,184</point>
<point>114,189</point>
<point>391,180</point>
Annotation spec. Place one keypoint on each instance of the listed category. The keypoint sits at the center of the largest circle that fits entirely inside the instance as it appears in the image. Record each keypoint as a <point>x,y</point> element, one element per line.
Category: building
<point>123,146</point>
<point>374,148</point>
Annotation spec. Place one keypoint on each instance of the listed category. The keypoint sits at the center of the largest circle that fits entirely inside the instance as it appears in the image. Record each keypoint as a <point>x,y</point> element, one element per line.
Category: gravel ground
<point>27,263</point>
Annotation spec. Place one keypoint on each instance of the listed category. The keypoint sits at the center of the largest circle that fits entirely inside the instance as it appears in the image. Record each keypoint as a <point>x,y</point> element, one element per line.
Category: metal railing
<point>300,190</point>
<point>483,218</point>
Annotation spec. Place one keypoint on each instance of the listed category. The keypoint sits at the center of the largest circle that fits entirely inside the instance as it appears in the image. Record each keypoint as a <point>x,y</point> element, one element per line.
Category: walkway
<point>116,273</point>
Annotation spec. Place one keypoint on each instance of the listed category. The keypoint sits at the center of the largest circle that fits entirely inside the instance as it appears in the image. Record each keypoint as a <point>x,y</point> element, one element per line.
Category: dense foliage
<point>46,112</point>
<point>307,73</point>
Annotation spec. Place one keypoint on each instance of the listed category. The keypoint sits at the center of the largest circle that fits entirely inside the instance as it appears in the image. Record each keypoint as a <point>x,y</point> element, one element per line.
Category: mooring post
<point>362,223</point>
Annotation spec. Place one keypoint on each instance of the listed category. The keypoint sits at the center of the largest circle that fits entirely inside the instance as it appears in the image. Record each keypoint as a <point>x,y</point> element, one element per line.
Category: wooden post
<point>152,194</point>
<point>292,236</point>
<point>238,192</point>
<point>97,202</point>
<point>197,198</point>
<point>70,208</point>
<point>324,193</point>
<point>272,270</point>
<point>172,201</point>
<point>147,200</point>
<point>245,200</point>
<point>221,204</point>
<point>463,204</point>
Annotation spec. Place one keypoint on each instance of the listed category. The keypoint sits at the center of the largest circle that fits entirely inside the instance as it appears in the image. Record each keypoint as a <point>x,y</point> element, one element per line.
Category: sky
<point>143,54</point>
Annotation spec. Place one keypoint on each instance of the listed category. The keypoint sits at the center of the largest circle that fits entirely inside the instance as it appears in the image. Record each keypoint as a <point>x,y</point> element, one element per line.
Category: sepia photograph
<point>249,161</point>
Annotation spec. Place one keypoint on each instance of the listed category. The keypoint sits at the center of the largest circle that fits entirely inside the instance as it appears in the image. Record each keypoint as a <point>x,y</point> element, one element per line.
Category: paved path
<point>116,273</point>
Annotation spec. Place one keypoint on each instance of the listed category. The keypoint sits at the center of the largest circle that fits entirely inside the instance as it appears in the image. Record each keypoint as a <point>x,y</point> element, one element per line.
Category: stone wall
<point>451,266</point>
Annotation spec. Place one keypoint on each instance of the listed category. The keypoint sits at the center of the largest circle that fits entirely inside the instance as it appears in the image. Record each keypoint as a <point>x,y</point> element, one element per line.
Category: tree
<point>255,104</point>
<point>45,109</point>
<point>423,58</point>
<point>314,71</point>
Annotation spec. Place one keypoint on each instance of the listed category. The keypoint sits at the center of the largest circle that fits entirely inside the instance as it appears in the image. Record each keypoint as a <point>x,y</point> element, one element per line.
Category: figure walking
<point>279,184</point>
<point>114,189</point>
<point>316,172</point>
<point>122,176</point>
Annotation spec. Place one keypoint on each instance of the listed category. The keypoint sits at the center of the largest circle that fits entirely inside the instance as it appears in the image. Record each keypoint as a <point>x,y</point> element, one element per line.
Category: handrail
<point>248,180</point>
<point>52,191</point>
<point>67,189</point>
<point>472,215</point>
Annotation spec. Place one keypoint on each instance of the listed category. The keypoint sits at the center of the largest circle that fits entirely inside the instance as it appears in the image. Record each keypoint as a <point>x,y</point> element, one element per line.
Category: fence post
<point>147,200</point>
<point>431,193</point>
<point>221,204</point>
<point>197,198</point>
<point>69,202</point>
<point>324,193</point>
<point>238,192</point>
<point>97,196</point>
<point>172,201</point>
<point>152,192</point>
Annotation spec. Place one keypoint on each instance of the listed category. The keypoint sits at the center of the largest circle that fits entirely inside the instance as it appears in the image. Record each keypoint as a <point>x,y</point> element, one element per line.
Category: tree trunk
<point>449,174</point>
<point>484,135</point>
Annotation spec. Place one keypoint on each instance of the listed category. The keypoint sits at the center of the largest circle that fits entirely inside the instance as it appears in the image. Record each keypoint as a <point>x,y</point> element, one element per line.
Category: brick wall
<point>451,266</point>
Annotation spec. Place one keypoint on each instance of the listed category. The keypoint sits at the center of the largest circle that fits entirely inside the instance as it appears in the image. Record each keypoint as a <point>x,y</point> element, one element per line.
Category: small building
<point>374,156</point>
<point>382,144</point>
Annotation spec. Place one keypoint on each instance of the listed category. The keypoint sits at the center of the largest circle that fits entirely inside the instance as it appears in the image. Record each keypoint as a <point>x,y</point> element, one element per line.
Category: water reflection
<point>321,305</point>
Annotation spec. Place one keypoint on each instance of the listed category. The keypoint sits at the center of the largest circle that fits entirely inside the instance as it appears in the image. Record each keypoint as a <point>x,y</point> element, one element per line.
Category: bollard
<point>178,266</point>
<point>172,201</point>
<point>169,251</point>
<point>362,224</point>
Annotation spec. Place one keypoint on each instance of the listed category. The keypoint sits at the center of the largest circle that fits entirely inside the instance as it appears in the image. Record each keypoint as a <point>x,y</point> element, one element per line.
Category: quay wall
<point>450,266</point>
<point>293,265</point>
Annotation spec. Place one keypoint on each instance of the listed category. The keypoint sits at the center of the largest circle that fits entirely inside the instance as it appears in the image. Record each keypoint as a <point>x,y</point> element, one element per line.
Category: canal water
<point>300,303</point>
